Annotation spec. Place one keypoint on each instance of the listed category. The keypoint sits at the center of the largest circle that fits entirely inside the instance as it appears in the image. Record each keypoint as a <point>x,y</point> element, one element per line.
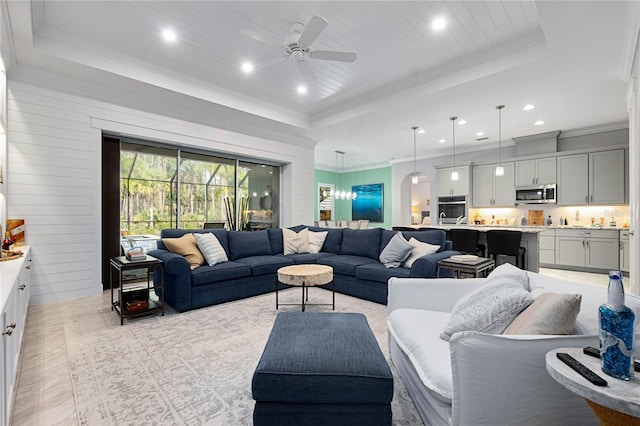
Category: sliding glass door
<point>205,191</point>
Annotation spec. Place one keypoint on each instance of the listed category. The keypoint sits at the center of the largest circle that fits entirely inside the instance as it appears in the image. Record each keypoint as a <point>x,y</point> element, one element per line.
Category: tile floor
<point>44,394</point>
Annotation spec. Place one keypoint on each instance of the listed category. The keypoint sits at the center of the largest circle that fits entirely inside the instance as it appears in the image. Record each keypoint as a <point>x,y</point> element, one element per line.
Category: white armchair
<point>478,378</point>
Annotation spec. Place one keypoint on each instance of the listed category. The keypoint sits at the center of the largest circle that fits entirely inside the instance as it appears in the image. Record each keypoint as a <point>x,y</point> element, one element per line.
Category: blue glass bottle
<point>616,331</point>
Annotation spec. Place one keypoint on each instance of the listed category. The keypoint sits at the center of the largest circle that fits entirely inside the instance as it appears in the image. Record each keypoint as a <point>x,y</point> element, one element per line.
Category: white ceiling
<point>569,58</point>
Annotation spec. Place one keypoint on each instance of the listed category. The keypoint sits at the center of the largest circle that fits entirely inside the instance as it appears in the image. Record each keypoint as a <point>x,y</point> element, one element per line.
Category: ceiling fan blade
<point>330,55</point>
<point>305,70</point>
<point>313,30</point>
<point>266,63</point>
<point>260,37</point>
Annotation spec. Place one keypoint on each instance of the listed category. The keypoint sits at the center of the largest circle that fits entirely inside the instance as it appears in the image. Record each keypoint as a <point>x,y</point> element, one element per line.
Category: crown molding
<point>594,129</point>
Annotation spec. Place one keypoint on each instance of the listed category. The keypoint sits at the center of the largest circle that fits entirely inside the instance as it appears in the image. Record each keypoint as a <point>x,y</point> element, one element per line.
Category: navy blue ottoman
<point>322,369</point>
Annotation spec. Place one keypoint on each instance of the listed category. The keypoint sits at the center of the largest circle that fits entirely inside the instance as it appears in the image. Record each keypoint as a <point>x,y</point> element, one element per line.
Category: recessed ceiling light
<point>462,121</point>
<point>421,131</point>
<point>438,24</point>
<point>528,107</point>
<point>441,141</point>
<point>302,89</point>
<point>480,134</point>
<point>538,123</point>
<point>169,35</point>
<point>247,67</point>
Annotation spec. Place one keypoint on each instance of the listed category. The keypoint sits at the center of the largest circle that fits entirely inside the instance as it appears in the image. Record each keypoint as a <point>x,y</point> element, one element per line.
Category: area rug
<point>195,368</point>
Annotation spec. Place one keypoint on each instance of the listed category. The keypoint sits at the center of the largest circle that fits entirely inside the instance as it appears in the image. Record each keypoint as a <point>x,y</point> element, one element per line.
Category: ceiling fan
<point>297,46</point>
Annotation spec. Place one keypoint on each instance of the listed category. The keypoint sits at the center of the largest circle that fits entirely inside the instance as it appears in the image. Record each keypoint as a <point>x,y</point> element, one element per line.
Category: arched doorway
<point>421,201</point>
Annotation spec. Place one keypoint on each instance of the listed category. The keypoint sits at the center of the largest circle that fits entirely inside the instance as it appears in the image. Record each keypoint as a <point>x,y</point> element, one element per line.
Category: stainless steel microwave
<point>536,194</point>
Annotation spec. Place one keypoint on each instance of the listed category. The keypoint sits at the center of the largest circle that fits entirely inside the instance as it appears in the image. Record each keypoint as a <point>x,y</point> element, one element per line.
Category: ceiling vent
<point>542,143</point>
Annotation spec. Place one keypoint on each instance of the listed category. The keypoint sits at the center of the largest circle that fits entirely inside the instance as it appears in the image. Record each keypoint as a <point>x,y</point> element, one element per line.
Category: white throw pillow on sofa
<point>295,242</point>
<point>419,249</point>
<point>316,240</point>
<point>211,248</point>
<point>493,306</point>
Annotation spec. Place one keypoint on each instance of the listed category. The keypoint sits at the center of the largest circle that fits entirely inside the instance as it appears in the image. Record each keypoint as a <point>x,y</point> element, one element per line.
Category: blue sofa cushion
<point>261,265</point>
<point>361,242</point>
<point>220,233</point>
<point>317,357</point>
<point>377,272</point>
<point>248,243</point>
<point>224,271</point>
<point>346,264</point>
<point>302,258</point>
<point>275,238</point>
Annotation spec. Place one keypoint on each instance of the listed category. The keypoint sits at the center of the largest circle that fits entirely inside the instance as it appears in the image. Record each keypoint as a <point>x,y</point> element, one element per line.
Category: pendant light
<point>340,193</point>
<point>414,178</point>
<point>499,168</point>
<point>454,173</point>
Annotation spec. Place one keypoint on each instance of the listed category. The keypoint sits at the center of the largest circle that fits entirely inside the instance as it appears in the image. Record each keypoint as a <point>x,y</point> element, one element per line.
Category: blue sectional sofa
<point>255,257</point>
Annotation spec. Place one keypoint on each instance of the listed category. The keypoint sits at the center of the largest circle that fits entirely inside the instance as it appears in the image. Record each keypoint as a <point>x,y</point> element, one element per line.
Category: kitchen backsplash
<point>514,216</point>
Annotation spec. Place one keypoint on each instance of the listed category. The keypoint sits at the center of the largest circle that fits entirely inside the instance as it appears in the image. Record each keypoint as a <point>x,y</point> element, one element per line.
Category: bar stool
<point>466,241</point>
<point>506,243</point>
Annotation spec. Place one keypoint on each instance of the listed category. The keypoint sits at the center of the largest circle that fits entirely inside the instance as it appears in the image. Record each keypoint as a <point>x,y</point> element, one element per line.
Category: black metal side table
<point>121,264</point>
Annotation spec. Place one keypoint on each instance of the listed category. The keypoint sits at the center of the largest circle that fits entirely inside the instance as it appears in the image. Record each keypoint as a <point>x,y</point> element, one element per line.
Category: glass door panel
<point>259,196</point>
<point>207,185</point>
<point>147,189</point>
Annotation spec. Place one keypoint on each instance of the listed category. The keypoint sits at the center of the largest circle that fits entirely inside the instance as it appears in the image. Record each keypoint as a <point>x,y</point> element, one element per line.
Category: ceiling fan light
<point>454,175</point>
<point>499,171</point>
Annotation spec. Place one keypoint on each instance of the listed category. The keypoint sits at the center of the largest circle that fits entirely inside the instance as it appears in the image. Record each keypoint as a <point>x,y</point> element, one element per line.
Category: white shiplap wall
<point>54,178</point>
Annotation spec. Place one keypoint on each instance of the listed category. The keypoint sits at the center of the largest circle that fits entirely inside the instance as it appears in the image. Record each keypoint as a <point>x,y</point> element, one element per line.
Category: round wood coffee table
<point>306,276</point>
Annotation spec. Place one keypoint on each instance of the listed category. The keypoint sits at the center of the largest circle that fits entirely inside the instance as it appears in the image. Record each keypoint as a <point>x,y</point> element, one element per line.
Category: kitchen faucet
<point>441,216</point>
<point>460,219</point>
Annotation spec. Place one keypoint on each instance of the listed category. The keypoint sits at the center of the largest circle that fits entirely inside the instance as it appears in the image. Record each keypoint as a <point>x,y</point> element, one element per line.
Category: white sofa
<point>484,379</point>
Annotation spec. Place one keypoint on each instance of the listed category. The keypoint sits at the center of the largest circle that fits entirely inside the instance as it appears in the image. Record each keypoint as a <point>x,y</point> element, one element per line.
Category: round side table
<point>306,276</point>
<point>618,403</point>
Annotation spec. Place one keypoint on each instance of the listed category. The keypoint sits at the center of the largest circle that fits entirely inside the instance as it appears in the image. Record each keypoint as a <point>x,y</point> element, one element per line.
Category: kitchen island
<point>530,239</point>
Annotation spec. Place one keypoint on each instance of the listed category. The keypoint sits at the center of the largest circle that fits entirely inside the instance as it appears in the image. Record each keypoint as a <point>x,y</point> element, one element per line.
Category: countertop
<point>9,272</point>
<point>522,228</point>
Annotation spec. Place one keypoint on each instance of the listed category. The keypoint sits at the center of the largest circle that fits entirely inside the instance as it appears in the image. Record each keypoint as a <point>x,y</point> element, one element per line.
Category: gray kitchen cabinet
<point>547,244</point>
<point>490,190</point>
<point>606,177</point>
<point>447,187</point>
<point>585,248</point>
<point>624,250</point>
<point>593,178</point>
<point>536,172</point>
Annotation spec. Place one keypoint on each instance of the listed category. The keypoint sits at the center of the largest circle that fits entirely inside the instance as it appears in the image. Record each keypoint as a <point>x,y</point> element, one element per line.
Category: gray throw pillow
<point>493,306</point>
<point>396,251</point>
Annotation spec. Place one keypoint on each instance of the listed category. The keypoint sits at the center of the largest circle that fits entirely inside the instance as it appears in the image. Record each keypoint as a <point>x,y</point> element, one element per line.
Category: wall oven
<point>452,207</point>
<point>536,194</point>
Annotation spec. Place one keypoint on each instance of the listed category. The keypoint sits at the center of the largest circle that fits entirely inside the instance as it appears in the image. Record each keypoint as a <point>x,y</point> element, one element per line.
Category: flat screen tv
<point>369,202</point>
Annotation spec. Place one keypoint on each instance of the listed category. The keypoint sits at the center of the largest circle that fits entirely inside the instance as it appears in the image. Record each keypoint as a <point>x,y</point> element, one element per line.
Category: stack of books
<point>136,253</point>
